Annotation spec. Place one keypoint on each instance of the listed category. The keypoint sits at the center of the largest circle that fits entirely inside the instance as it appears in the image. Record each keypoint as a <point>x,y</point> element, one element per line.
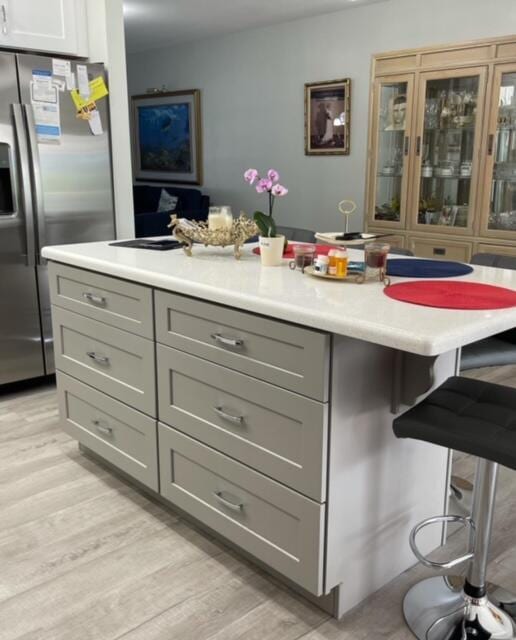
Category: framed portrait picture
<point>167,145</point>
<point>397,112</point>
<point>327,118</point>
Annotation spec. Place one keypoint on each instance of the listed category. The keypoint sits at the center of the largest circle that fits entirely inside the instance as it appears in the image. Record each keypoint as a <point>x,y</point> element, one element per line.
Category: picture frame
<point>167,137</point>
<point>328,118</point>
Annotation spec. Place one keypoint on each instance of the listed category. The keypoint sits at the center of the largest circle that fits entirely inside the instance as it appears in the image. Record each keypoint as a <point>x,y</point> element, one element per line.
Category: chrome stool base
<point>438,609</point>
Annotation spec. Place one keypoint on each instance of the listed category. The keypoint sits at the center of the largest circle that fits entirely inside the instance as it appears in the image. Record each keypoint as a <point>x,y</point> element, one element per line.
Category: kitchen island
<point>259,402</point>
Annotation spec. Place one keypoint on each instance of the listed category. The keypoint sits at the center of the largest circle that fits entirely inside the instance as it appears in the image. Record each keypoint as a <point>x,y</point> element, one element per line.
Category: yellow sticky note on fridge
<point>98,90</point>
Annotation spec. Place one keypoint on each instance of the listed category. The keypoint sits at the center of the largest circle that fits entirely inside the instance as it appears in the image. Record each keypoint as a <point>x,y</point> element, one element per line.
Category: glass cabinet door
<point>447,144</point>
<point>391,146</point>
<point>500,196</point>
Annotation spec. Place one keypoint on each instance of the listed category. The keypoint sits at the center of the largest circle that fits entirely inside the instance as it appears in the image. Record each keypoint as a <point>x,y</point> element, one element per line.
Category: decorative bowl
<point>241,230</point>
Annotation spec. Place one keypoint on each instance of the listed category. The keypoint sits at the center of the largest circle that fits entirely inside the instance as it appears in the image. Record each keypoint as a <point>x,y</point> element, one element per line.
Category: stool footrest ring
<point>466,521</point>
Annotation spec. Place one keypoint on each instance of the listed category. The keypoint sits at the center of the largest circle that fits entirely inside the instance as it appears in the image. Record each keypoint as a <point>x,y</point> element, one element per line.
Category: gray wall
<point>252,93</point>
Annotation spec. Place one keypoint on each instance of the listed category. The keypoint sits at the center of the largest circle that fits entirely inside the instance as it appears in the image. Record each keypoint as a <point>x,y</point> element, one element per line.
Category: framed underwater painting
<point>167,144</point>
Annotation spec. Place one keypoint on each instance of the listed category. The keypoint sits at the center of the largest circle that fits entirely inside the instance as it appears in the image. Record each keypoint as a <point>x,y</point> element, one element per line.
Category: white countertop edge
<point>426,346</point>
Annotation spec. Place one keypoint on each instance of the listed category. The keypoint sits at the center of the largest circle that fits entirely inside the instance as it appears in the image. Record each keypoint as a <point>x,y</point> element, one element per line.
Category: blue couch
<point>192,204</point>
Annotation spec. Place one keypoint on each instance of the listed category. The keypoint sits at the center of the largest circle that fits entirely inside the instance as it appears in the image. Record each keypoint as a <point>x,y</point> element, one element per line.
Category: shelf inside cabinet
<point>468,129</point>
<point>455,177</point>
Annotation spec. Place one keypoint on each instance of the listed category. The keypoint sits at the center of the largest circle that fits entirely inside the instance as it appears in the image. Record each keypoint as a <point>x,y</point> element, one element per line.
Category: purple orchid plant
<point>274,189</point>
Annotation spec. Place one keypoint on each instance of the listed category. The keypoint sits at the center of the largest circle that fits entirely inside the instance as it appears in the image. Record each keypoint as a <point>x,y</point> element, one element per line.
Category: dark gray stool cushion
<point>466,415</point>
<point>497,351</point>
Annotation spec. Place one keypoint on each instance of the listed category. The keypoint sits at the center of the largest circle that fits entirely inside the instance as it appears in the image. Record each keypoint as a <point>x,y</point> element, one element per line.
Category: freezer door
<point>21,354</point>
<point>71,176</point>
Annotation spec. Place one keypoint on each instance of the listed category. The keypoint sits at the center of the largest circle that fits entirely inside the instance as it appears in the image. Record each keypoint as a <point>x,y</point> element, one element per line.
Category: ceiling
<point>151,24</point>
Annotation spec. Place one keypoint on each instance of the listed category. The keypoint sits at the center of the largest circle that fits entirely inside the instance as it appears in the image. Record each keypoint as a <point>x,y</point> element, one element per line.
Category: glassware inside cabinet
<point>447,150</point>
<point>502,215</point>
<point>391,140</point>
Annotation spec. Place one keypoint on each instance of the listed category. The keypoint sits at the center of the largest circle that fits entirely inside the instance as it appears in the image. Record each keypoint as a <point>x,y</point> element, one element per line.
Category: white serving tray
<point>330,238</point>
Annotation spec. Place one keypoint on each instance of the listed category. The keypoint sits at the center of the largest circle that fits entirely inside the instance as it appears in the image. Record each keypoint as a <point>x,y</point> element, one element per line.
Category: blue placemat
<point>407,268</point>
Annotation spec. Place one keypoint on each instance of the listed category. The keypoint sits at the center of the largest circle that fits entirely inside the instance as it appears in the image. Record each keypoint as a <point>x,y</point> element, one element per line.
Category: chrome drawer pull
<point>99,359</point>
<point>228,416</point>
<point>229,342</point>
<point>227,503</point>
<point>94,299</point>
<point>107,431</point>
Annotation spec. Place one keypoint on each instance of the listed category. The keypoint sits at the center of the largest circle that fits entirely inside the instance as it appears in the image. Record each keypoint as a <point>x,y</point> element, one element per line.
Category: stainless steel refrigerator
<point>54,189</point>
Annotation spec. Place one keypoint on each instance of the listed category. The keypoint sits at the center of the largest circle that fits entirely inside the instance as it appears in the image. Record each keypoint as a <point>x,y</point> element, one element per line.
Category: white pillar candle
<point>216,221</point>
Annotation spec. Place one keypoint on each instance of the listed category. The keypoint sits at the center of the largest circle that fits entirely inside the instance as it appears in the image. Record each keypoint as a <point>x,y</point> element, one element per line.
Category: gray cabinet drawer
<point>118,363</point>
<point>122,436</point>
<point>277,525</point>
<point>121,304</point>
<point>280,433</point>
<point>274,351</point>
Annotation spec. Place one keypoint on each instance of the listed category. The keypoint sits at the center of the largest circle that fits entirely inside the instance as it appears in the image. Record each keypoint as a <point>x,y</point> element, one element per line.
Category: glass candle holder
<point>304,256</point>
<point>375,258</point>
<point>220,218</point>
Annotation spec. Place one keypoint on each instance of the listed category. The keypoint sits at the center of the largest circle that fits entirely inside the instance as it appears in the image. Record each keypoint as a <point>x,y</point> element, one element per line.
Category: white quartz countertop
<point>358,311</point>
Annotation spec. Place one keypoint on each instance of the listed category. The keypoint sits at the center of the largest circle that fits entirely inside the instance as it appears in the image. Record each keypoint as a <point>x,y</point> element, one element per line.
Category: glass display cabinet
<point>500,191</point>
<point>392,144</point>
<point>447,145</point>
<point>442,149</point>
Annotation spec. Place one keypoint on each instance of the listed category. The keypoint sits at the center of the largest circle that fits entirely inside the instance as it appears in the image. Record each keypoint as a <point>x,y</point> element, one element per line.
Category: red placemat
<point>453,294</point>
<point>320,249</point>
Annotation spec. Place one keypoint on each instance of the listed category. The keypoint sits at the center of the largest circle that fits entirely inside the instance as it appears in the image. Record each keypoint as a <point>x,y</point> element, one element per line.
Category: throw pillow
<point>167,202</point>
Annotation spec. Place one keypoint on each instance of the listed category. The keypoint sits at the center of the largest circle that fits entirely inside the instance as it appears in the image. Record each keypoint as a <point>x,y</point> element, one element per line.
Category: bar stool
<point>478,418</point>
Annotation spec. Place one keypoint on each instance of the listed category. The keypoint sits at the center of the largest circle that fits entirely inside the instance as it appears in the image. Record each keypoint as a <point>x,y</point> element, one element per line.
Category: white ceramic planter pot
<point>271,250</point>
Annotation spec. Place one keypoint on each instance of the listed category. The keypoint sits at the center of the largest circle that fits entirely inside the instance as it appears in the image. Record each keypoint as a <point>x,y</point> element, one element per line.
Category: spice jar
<point>341,263</point>
<point>321,264</point>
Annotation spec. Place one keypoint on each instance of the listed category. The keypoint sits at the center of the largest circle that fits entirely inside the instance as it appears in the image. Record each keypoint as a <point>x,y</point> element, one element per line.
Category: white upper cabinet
<point>49,26</point>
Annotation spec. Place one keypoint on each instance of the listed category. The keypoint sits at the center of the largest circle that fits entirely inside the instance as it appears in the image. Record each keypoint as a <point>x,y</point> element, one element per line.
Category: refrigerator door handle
<point>24,183</point>
<point>39,208</point>
<point>5,29</point>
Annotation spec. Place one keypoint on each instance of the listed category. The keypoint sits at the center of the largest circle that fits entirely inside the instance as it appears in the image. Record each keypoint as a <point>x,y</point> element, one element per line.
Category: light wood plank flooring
<point>85,556</point>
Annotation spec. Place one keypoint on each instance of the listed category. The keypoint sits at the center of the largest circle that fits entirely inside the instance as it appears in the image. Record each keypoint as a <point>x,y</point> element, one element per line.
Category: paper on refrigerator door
<point>98,90</point>
<point>47,122</point>
<point>95,123</point>
<point>61,67</point>
<point>59,83</point>
<point>70,82</point>
<point>45,107</point>
<point>82,81</point>
<point>42,88</point>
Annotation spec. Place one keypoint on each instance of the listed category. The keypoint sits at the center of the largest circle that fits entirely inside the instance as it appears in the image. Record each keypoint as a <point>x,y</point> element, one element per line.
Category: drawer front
<point>282,354</point>
<point>275,524</point>
<point>121,304</point>
<point>122,436</point>
<point>118,363</point>
<point>440,249</point>
<point>500,249</point>
<point>277,432</point>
